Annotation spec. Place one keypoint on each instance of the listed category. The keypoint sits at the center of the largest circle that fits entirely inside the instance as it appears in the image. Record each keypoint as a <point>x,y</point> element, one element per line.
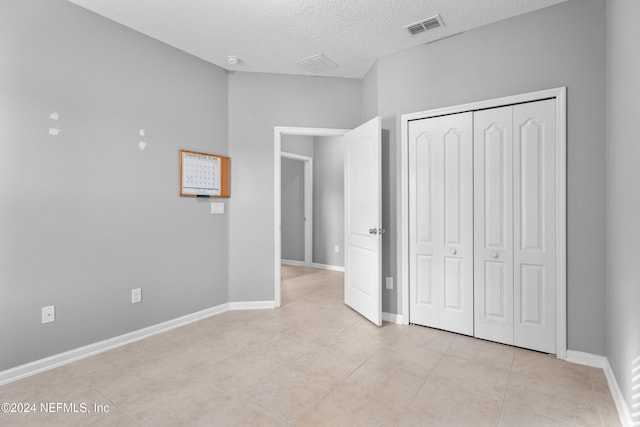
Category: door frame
<point>277,142</point>
<point>560,95</point>
<point>307,163</point>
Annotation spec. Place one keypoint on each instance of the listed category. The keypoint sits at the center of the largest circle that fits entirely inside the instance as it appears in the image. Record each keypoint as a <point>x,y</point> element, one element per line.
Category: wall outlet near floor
<point>337,249</point>
<point>389,282</point>
<point>136,295</point>
<point>48,314</point>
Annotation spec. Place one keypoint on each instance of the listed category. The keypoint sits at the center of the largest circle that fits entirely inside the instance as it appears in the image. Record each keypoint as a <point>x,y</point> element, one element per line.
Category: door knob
<point>381,230</point>
<point>373,231</point>
<point>495,255</point>
<point>453,251</point>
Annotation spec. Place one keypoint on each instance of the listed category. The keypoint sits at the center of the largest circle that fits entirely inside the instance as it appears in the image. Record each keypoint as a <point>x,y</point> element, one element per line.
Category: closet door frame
<point>559,94</point>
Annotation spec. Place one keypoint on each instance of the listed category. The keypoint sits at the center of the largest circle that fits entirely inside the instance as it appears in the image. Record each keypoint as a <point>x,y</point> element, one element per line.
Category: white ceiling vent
<point>425,25</point>
<point>317,64</point>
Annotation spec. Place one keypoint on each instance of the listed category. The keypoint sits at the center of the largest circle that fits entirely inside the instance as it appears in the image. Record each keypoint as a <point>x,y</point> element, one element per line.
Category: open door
<point>363,220</point>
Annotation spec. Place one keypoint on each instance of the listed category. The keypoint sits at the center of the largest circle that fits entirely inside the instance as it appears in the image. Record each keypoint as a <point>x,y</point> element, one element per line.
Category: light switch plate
<point>217,208</point>
<point>389,283</point>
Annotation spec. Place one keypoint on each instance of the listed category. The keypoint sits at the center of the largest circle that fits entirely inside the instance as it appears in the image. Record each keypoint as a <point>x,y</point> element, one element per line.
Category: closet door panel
<point>493,225</point>
<point>424,180</point>
<point>535,225</point>
<point>441,222</point>
<point>456,212</point>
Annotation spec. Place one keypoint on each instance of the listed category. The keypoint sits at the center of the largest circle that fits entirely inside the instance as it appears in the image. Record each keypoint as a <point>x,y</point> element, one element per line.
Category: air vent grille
<point>317,64</point>
<point>425,25</point>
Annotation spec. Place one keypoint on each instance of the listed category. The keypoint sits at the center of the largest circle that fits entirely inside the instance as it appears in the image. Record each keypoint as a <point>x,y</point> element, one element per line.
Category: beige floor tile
<point>344,408</point>
<point>608,411</point>
<point>451,405</point>
<point>482,351</point>
<point>115,417</point>
<point>478,377</point>
<point>553,399</point>
<point>433,340</point>
<point>383,383</point>
<point>408,358</point>
<point>325,363</point>
<point>550,368</point>
<point>287,395</point>
<point>237,374</point>
<point>513,416</point>
<point>599,380</point>
<point>200,404</point>
<point>282,349</point>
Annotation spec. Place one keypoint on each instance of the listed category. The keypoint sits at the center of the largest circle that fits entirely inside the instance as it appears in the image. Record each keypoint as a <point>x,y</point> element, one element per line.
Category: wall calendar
<point>204,175</point>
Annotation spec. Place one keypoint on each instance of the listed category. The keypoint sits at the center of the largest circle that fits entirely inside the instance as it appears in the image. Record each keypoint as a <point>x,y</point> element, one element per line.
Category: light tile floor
<point>314,362</point>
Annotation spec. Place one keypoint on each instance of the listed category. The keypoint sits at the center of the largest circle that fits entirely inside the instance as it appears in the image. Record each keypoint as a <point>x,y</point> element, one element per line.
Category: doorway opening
<point>297,209</point>
<point>281,153</point>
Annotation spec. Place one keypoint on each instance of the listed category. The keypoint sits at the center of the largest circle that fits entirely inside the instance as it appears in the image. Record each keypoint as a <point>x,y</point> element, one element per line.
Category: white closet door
<point>424,179</point>
<point>441,222</point>
<point>493,225</point>
<point>535,225</point>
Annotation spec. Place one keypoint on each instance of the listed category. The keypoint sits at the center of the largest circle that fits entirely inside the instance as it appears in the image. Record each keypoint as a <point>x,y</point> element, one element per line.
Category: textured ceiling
<point>272,35</point>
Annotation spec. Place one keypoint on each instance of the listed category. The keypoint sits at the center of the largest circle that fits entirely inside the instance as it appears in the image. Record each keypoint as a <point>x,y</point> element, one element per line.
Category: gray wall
<point>86,216</point>
<point>623,198</point>
<point>370,93</point>
<point>292,209</point>
<point>297,144</point>
<point>257,103</point>
<point>563,45</point>
<point>328,200</point>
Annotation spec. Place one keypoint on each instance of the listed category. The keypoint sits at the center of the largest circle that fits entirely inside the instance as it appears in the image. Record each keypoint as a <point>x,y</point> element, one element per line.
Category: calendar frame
<point>223,179</point>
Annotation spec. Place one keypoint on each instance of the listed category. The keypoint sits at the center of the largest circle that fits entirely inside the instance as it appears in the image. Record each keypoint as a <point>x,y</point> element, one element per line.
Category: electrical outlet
<point>48,314</point>
<point>136,295</point>
<point>389,282</point>
<point>337,249</point>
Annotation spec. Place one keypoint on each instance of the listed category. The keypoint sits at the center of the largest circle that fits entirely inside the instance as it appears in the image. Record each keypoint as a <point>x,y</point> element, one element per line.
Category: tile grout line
<point>426,379</point>
<point>506,389</point>
<point>595,397</point>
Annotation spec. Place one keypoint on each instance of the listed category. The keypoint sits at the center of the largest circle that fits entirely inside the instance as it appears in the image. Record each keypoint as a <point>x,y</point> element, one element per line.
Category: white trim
<point>293,262</point>
<point>393,318</point>
<point>251,305</point>
<point>327,267</point>
<point>561,194</point>
<point>51,362</point>
<point>587,359</point>
<point>278,131</point>
<point>308,203</point>
<point>623,408</point>
<point>602,362</point>
<point>295,156</point>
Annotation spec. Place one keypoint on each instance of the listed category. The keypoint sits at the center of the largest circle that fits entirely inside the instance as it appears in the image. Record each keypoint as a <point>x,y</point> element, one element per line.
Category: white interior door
<point>534,170</point>
<point>493,224</point>
<point>363,220</point>
<point>441,222</point>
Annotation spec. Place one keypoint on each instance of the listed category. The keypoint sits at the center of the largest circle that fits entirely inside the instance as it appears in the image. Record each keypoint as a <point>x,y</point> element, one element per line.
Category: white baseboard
<point>251,305</point>
<point>292,262</point>
<point>328,267</point>
<point>392,318</point>
<point>51,362</point>
<point>602,362</point>
<point>623,409</point>
<point>588,359</point>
